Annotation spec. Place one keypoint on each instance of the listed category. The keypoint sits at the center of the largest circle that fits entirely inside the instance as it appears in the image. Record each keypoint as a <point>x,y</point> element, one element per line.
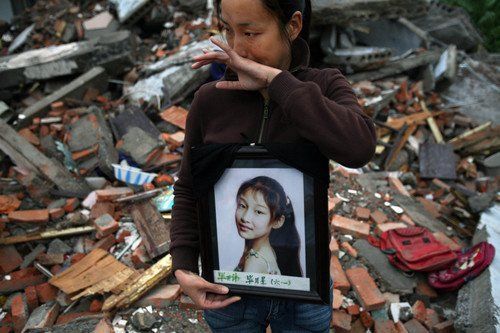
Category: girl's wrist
<point>271,74</point>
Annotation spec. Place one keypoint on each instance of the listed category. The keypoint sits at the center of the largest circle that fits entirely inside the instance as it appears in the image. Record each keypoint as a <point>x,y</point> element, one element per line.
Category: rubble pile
<point>93,104</point>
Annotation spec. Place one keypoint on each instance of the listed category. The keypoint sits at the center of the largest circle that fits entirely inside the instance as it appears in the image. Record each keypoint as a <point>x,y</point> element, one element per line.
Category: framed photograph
<point>265,229</point>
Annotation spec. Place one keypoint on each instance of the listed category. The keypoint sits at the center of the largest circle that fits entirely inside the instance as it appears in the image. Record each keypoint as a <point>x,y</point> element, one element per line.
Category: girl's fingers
<point>219,301</point>
<point>221,56</point>
<point>200,64</point>
<point>222,45</point>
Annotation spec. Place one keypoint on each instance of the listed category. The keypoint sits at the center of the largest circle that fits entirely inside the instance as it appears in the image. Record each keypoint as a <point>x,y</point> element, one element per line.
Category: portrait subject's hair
<point>285,240</point>
<point>283,11</point>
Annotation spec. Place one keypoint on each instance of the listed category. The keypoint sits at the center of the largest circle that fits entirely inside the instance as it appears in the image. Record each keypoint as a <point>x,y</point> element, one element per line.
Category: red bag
<point>414,249</point>
<point>470,263</point>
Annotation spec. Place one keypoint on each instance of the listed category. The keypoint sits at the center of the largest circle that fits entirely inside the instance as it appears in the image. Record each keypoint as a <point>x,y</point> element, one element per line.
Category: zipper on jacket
<point>265,117</point>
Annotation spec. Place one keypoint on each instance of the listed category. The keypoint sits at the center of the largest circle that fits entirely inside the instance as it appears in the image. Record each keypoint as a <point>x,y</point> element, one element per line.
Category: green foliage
<point>486,16</point>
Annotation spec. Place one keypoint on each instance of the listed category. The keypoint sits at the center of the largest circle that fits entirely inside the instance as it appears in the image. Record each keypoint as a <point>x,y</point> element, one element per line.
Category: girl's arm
<point>329,116</point>
<point>184,228</point>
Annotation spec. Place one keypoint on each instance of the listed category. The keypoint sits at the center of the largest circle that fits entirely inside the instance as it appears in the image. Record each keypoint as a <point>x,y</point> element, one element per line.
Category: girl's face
<point>253,216</point>
<point>253,33</point>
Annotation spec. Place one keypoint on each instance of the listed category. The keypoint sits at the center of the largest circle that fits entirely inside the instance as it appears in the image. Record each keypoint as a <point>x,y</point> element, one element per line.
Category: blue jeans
<point>253,314</point>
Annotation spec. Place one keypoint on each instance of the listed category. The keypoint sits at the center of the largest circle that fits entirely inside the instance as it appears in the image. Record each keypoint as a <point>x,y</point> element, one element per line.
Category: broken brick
<point>95,305</point>
<point>444,327</point>
<point>366,289</point>
<point>341,322</point>
<point>105,243</point>
<point>106,225</point>
<point>419,311</point>
<point>338,298</point>
<point>334,246</point>
<point>71,205</point>
<point>366,319</point>
<point>397,185</point>
<point>161,297</point>
<point>104,326</point>
<point>8,203</point>
<point>140,257</point>
<point>46,292</point>
<point>30,136</point>
<point>362,213</point>
<point>9,286</point>
<point>431,318</point>
<point>101,208</point>
<point>113,193</point>
<point>424,289</point>
<point>353,310</point>
<point>385,326</point>
<point>338,276</point>
<point>430,206</point>
<point>29,216</point>
<point>378,217</point>
<point>349,249</point>
<point>19,312</point>
<point>400,327</point>
<point>414,326</point>
<point>406,219</point>
<point>175,115</point>
<point>50,259</point>
<point>381,228</point>
<point>10,259</point>
<point>350,227</point>
<point>56,213</point>
<point>31,298</point>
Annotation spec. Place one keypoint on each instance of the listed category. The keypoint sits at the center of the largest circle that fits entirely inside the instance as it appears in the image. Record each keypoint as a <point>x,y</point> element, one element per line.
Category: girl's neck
<point>260,243</point>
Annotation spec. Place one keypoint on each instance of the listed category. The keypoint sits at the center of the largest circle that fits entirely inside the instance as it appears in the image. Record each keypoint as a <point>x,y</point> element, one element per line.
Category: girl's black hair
<point>283,10</point>
<point>285,240</point>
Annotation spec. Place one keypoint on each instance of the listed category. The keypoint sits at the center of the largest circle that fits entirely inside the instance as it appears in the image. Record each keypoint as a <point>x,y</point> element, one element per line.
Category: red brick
<point>19,312</point>
<point>385,326</point>
<point>66,318</point>
<point>341,322</point>
<point>430,206</point>
<point>105,243</point>
<point>56,269</point>
<point>406,219</point>
<point>333,203</point>
<point>381,228</point>
<point>10,259</point>
<point>357,327</point>
<point>431,319</point>
<point>353,310</point>
<point>161,296</point>
<point>378,216</point>
<point>444,327</point>
<point>95,305</point>
<point>15,284</point>
<point>350,227</point>
<point>30,216</point>
<point>338,298</point>
<point>338,276</point>
<point>121,235</point>
<point>414,326</point>
<point>77,257</point>
<point>101,208</point>
<point>423,288</point>
<point>367,291</point>
<point>46,292</point>
<point>400,327</point>
<point>334,246</point>
<point>349,249</point>
<point>397,185</point>
<point>6,324</point>
<point>140,257</point>
<point>110,194</point>
<point>440,184</point>
<point>443,239</point>
<point>448,200</point>
<point>104,326</point>
<point>106,225</point>
<point>56,213</point>
<point>362,213</point>
<point>366,319</point>
<point>419,311</point>
<point>71,205</point>
<point>175,115</point>
<point>31,298</point>
<point>30,136</point>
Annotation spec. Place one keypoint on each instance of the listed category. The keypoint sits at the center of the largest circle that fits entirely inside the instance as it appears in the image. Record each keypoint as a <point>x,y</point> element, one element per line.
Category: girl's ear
<point>294,26</point>
<point>278,223</point>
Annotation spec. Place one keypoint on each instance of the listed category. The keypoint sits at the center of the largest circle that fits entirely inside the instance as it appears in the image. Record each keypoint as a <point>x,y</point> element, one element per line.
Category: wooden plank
<point>399,144</point>
<point>432,124</point>
<point>458,141</point>
<point>108,284</point>
<point>85,263</point>
<point>28,156</point>
<point>154,230</point>
<point>418,118</point>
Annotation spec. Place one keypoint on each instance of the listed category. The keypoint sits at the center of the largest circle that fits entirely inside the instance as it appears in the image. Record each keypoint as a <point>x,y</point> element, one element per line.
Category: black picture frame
<point>314,237</point>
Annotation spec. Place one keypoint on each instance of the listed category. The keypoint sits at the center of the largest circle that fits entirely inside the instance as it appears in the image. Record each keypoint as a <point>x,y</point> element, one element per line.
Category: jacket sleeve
<point>184,234</point>
<point>331,118</point>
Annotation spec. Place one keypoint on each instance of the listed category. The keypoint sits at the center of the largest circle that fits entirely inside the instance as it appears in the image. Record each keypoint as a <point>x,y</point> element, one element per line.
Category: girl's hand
<point>204,294</point>
<point>251,74</point>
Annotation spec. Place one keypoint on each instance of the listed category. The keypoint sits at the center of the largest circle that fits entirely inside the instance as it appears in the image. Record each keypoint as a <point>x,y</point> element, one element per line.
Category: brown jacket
<point>306,105</point>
